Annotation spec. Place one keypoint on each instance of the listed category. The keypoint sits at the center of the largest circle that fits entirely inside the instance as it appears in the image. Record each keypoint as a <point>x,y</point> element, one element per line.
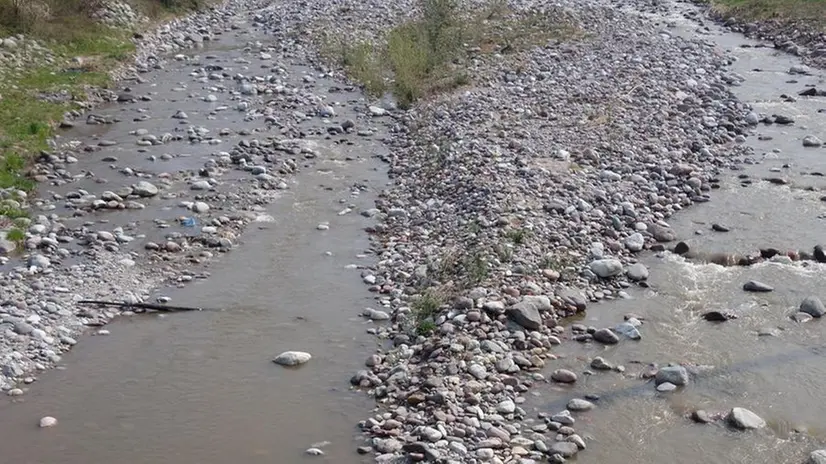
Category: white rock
<point>744,419</point>
<point>292,358</point>
<point>48,421</point>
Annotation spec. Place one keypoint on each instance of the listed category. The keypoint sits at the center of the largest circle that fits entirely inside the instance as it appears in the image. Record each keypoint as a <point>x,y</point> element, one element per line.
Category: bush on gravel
<point>430,53</point>
<point>812,11</point>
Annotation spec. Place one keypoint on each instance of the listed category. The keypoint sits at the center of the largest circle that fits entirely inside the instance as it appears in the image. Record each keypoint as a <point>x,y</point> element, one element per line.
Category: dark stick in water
<point>156,307</point>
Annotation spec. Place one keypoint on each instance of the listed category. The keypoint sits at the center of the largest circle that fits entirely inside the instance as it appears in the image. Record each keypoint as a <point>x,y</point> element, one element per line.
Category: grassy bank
<point>809,11</point>
<point>431,53</point>
<point>81,51</point>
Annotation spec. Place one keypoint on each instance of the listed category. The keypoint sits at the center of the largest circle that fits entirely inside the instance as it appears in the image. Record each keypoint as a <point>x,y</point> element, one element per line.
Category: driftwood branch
<point>156,307</point>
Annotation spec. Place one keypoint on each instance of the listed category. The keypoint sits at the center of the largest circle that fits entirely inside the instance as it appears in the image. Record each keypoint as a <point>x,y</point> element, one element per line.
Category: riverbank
<point>797,27</point>
<point>50,260</point>
<point>59,59</point>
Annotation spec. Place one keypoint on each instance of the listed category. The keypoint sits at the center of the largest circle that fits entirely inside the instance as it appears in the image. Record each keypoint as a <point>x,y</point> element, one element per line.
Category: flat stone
<point>757,286</point>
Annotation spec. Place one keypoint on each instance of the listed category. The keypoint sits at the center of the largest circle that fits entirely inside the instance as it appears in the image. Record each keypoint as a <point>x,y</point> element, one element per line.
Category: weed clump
<point>429,54</point>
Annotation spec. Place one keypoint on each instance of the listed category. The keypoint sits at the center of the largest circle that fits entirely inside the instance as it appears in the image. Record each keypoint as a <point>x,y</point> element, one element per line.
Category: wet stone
<point>757,286</point>
<point>744,419</point>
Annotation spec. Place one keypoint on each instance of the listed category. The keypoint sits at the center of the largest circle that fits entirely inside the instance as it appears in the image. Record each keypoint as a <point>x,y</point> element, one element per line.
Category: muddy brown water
<point>780,376</point>
<point>200,387</point>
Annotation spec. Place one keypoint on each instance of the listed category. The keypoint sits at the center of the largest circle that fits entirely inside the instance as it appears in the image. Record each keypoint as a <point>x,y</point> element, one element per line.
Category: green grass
<point>15,235</point>
<point>429,54</point>
<point>810,11</point>
<point>517,236</point>
<point>425,309</point>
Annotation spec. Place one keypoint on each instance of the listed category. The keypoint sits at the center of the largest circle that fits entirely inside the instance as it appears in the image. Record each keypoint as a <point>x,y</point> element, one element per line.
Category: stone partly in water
<point>292,358</point>
<point>666,387</point>
<point>812,141</point>
<point>676,375</point>
<point>606,267</point>
<point>629,330</point>
<point>578,404</point>
<point>817,457</point>
<point>527,312</point>
<point>48,421</point>
<point>701,417</point>
<point>812,306</point>
<point>744,419</point>
<point>606,336</point>
<point>145,189</point>
<point>637,272</point>
<point>563,376</point>
<point>756,286</point>
<point>718,316</point>
<point>564,448</point>
<point>601,364</point>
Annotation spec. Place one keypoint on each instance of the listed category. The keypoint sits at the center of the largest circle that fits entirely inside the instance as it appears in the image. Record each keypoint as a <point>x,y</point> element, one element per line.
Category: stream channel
<point>762,360</point>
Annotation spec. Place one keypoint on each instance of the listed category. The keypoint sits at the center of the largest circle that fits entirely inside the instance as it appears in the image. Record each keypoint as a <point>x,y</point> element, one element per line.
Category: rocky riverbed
<point>514,202</point>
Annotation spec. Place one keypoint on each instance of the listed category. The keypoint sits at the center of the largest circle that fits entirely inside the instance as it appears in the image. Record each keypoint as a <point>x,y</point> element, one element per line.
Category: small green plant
<point>564,264</point>
<point>504,253</point>
<point>427,305</point>
<point>15,235</point>
<point>447,266</point>
<point>364,66</point>
<point>425,309</point>
<point>476,268</point>
<point>430,54</point>
<point>425,327</point>
<point>517,236</point>
<point>474,227</point>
